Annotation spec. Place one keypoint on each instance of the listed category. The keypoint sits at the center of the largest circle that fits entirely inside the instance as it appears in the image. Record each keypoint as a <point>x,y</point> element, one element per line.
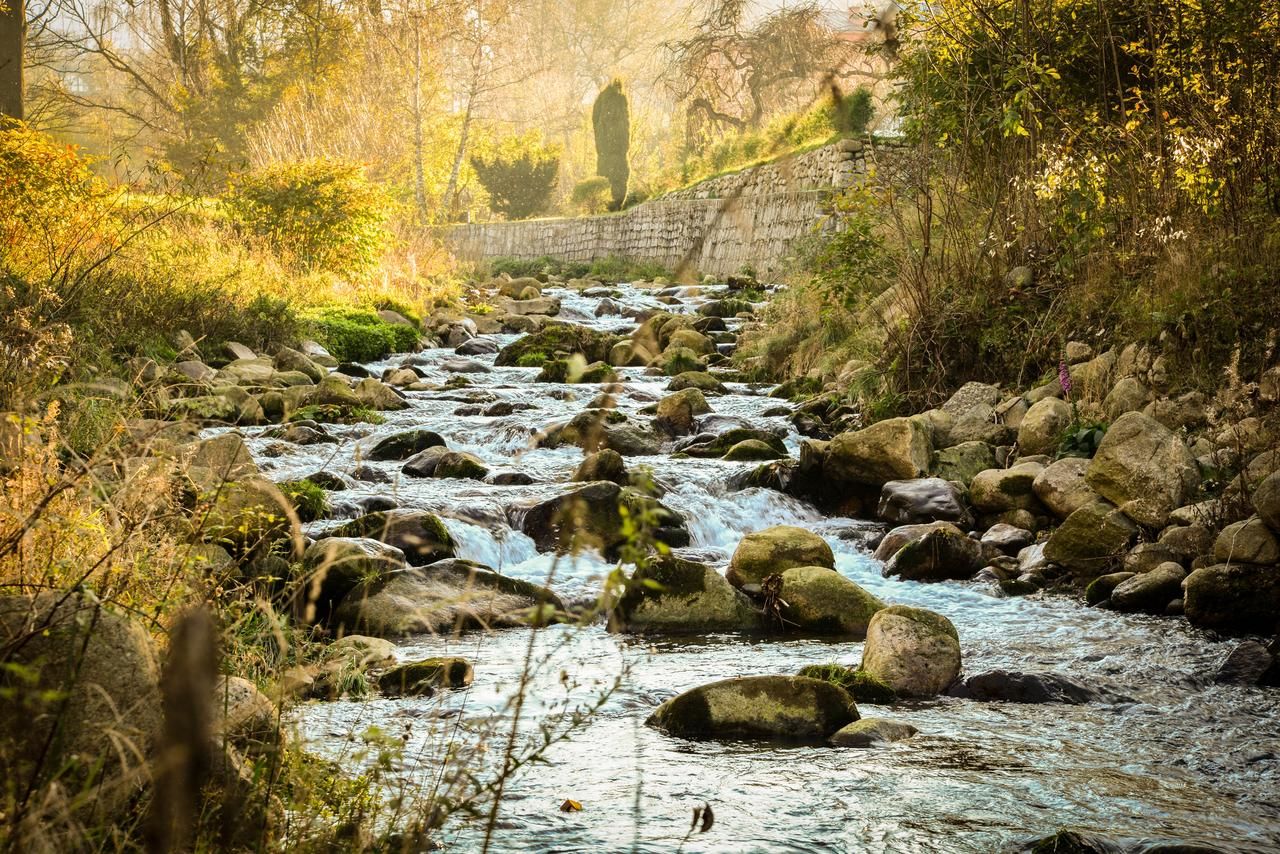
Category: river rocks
<point>424,464</point>
<point>1249,663</point>
<point>752,450</point>
<point>1013,687</point>
<point>334,566</point>
<point>539,347</point>
<point>288,359</point>
<point>602,465</point>
<point>696,379</point>
<point>477,347</point>
<point>773,550</point>
<point>792,708</point>
<point>1187,542</point>
<point>677,413</point>
<point>404,445</point>
<point>1007,538</point>
<point>1000,490</point>
<point>913,651</point>
<point>962,462</point>
<point>925,500</point>
<point>893,449</point>
<point>422,678</point>
<point>717,445</point>
<point>246,515</point>
<point>595,429</point>
<point>941,554</point>
<point>1150,591</point>
<point>460,465</point>
<point>1062,487</point>
<point>820,600</point>
<point>1266,501</point>
<point>80,667</point>
<point>1249,541</point>
<point>419,535</point>
<point>692,340</point>
<point>444,597</point>
<point>1144,469</point>
<point>872,732</point>
<point>516,288</point>
<point>375,394</point>
<point>898,537</point>
<point>588,517</point>
<point>1237,597</point>
<point>545,306</point>
<point>1043,426</point>
<point>677,596</point>
<point>1127,395</point>
<point>1091,540</point>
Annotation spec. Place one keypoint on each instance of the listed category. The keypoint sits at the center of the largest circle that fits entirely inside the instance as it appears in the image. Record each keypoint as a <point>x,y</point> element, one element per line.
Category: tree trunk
<point>13,37</point>
<point>419,179</point>
<point>451,193</point>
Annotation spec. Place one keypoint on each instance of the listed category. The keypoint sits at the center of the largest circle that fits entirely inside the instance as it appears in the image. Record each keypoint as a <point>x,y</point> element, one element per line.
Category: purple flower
<point>1064,377</point>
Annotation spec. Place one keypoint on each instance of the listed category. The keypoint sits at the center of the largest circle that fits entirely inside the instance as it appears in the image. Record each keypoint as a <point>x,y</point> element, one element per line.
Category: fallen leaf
<point>570,805</point>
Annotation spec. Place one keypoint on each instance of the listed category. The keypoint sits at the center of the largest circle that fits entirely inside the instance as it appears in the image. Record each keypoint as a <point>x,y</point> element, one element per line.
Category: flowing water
<point>1178,758</point>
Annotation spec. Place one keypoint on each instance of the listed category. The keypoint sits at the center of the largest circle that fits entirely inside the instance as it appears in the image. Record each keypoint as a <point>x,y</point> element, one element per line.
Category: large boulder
<point>913,651</point>
<point>893,449</point>
<point>81,695</point>
<point>962,462</point>
<point>402,446</point>
<point>1091,540</point>
<point>419,535</point>
<point>1266,501</point>
<point>941,554</point>
<point>1043,426</point>
<point>1250,541</point>
<point>1144,469</point>
<point>589,517</point>
<point>773,550</point>
<point>1062,487</point>
<point>448,596</point>
<point>677,596</point>
<point>820,600</point>
<point>557,340</point>
<point>793,708</point>
<point>677,413</point>
<point>603,428</point>
<point>1150,591</point>
<point>334,566</point>
<point>929,499</point>
<point>1240,597</point>
<point>1001,490</point>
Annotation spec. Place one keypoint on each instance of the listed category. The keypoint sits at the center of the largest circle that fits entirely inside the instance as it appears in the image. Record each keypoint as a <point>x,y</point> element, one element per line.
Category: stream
<point>1179,758</point>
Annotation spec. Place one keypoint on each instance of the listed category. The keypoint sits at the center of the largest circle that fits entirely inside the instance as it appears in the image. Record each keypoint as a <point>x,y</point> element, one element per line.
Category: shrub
<point>323,213</point>
<point>309,499</point>
<point>611,121</point>
<point>591,195</point>
<point>518,175</point>
<point>358,334</point>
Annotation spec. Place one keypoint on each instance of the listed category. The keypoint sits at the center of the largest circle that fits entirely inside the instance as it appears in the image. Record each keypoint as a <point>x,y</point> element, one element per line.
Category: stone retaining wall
<point>750,218</point>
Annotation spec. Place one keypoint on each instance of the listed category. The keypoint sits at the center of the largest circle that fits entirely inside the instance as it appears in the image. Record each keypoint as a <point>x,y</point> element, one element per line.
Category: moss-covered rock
<point>692,340</point>
<point>1001,490</point>
<point>706,445</point>
<point>590,517</point>
<point>942,554</point>
<point>893,449</point>
<point>677,360</point>
<point>677,596</point>
<point>774,550</point>
<point>419,535</point>
<point>791,708</point>
<point>557,340</point>
<point>752,450</point>
<point>1092,539</point>
<point>914,651</point>
<point>596,429</point>
<point>1150,591</point>
<point>1144,469</point>
<point>422,678</point>
<point>864,687</point>
<point>822,601</point>
<point>1238,597</point>
<point>332,567</point>
<point>698,379</point>
<point>677,413</point>
<point>1099,590</point>
<point>401,446</point>
<point>460,465</point>
<point>605,464</point>
<point>1062,488</point>
<point>872,732</point>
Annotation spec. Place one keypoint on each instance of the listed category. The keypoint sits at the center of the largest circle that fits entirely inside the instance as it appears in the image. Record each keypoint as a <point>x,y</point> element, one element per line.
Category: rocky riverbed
<point>1113,719</point>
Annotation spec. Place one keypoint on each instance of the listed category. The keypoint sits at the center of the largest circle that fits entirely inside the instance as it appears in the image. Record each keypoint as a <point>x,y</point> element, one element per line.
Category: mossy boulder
<point>1150,591</point>
<point>419,535</point>
<point>943,553</point>
<point>717,445</point>
<point>820,600</point>
<point>1001,490</point>
<point>677,413</point>
<point>404,445</point>
<point>1062,487</point>
<point>752,450</point>
<point>461,466</point>
<point>446,597</point>
<point>605,464</point>
<point>914,651</point>
<point>288,359</point>
<point>677,360</point>
<point>893,449</point>
<point>334,566</point>
<point>1091,540</point>
<point>557,340</point>
<point>589,517</point>
<point>246,515</point>
<point>677,596</point>
<point>791,708</point>
<point>422,678</point>
<point>700,380</point>
<point>1144,469</point>
<point>1239,597</point>
<point>873,732</point>
<point>774,550</point>
<point>864,687</point>
<point>692,340</point>
<point>596,429</point>
<point>375,394</point>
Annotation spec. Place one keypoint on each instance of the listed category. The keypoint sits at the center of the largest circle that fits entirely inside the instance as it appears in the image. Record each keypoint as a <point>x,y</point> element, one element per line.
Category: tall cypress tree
<point>611,119</point>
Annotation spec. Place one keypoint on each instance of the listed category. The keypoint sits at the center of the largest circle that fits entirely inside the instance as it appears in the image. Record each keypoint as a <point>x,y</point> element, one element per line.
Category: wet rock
<point>1001,490</point>
<point>401,446</point>
<point>1043,426</point>
<point>1249,663</point>
<point>419,535</point>
<point>1008,538</point>
<point>751,450</point>
<point>820,600</point>
<point>1144,469</point>
<point>477,347</point>
<point>1236,597</point>
<point>773,550</point>
<point>596,429</point>
<point>677,596</point>
<point>691,340</point>
<point>509,478</point>
<point>696,379</point>
<point>895,539</point>
<point>1013,687</point>
<point>445,597</point>
<point>717,445</point>
<point>792,708</point>
<point>460,465</point>
<point>914,651</point>
<point>677,413</point>
<point>535,349</point>
<point>925,500</point>
<point>602,465</point>
<point>962,462</point>
<point>422,678</point>
<point>893,449</point>
<point>425,463</point>
<point>872,732</point>
<point>588,517</point>
<point>378,395</point>
<point>1250,541</point>
<point>1099,590</point>
<point>464,366</point>
<point>332,567</point>
<point>941,554</point>
<point>1091,540</point>
<point>862,686</point>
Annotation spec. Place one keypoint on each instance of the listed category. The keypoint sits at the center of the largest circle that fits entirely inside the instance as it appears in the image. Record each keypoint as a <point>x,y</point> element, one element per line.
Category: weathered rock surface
<point>873,732</point>
<point>914,651</point>
<point>893,449</point>
<point>822,601</point>
<point>673,595</point>
<point>1144,469</point>
<point>773,550</point>
<point>932,499</point>
<point>792,708</point>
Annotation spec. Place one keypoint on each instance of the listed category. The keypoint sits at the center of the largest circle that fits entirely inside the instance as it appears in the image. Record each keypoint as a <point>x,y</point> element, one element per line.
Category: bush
<point>611,121</point>
<point>308,498</point>
<point>519,175</point>
<point>358,334</point>
<point>591,195</point>
<point>323,213</point>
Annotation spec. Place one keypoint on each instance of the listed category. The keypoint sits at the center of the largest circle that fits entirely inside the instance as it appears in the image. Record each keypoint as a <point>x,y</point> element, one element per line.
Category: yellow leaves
<point>570,805</point>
